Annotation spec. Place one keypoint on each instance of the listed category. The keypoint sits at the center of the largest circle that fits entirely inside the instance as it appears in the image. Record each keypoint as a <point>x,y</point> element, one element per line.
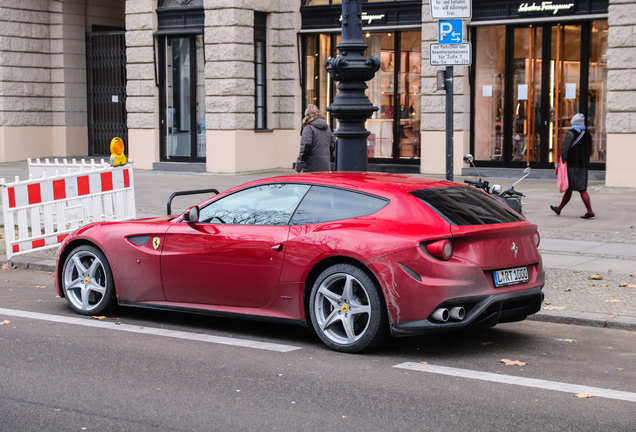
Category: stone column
<point>25,81</point>
<point>621,94</point>
<point>68,78</point>
<point>232,143</point>
<point>142,96</point>
<point>433,152</point>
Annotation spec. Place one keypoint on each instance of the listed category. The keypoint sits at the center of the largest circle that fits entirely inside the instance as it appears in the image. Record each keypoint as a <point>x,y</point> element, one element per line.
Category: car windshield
<point>467,206</point>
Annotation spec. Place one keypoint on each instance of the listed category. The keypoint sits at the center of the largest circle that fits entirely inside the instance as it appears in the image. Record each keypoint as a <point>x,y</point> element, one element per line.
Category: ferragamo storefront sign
<point>554,8</point>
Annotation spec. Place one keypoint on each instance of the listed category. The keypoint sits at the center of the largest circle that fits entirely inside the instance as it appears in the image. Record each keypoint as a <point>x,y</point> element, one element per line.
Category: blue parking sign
<point>450,32</point>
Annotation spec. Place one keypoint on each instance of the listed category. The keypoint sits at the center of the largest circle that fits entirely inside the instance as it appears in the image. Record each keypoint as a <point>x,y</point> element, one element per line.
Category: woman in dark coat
<point>577,149</point>
<point>316,144</point>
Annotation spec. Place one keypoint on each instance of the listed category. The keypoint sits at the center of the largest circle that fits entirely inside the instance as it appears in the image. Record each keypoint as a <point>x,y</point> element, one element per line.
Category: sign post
<point>450,51</point>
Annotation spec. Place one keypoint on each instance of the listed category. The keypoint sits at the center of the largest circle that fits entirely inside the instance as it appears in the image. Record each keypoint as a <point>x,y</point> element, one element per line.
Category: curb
<point>30,263</point>
<point>599,321</point>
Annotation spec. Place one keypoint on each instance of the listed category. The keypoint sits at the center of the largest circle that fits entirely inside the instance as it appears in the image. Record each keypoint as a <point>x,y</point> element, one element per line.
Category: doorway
<point>183,99</point>
<point>528,82</point>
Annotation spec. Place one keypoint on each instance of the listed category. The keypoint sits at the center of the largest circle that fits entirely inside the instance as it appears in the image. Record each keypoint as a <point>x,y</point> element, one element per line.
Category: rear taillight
<point>537,238</point>
<point>441,249</point>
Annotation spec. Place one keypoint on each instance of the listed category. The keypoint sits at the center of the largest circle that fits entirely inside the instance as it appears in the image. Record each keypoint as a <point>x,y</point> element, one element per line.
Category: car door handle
<point>277,248</point>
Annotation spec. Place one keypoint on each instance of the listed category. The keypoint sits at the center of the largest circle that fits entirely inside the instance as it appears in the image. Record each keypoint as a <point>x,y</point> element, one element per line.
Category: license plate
<point>510,276</point>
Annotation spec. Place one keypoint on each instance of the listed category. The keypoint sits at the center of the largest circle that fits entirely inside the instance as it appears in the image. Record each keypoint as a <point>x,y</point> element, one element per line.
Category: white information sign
<point>570,90</point>
<point>451,55</point>
<point>442,9</point>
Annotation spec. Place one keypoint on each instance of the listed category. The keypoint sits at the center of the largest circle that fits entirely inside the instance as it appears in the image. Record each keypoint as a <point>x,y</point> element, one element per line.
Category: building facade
<point>221,85</point>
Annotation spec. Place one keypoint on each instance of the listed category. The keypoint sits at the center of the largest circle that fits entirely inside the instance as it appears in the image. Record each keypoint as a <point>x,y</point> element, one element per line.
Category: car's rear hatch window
<point>462,206</point>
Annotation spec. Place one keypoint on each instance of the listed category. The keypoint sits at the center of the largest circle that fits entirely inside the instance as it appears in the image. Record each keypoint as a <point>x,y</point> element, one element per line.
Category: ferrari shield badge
<point>155,242</point>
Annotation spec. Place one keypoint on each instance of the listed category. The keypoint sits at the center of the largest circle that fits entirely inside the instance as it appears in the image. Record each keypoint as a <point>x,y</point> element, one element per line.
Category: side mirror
<point>191,215</point>
<point>526,171</point>
<point>468,158</point>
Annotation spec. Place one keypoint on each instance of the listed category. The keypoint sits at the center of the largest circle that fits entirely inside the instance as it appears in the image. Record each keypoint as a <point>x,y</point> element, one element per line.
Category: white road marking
<point>526,382</point>
<point>110,325</point>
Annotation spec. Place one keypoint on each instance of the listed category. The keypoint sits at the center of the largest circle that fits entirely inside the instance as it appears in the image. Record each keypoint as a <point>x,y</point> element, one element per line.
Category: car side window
<point>325,204</point>
<point>271,204</point>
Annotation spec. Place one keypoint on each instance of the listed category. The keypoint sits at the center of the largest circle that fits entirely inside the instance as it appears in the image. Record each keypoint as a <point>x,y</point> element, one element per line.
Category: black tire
<point>87,281</point>
<point>348,320</point>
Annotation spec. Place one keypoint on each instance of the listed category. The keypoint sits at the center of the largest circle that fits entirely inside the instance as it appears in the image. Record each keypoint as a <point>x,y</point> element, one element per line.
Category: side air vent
<point>139,240</point>
<point>410,272</point>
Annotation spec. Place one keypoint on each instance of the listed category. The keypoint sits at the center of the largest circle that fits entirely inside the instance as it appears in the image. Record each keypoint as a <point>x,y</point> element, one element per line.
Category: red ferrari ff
<point>357,256</point>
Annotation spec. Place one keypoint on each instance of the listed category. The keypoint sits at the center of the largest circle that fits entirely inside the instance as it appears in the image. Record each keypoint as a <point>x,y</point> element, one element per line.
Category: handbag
<point>562,175</point>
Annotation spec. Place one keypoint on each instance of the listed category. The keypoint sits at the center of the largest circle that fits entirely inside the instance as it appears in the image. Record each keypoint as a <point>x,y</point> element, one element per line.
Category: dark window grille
<point>106,90</point>
<point>260,74</point>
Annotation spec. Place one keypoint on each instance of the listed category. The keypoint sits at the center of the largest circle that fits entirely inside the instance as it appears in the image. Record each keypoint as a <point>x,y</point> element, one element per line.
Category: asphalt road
<point>160,371</point>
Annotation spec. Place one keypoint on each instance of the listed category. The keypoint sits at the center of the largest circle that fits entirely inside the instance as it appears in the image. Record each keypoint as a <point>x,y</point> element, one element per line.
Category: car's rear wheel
<point>347,310</point>
<point>88,281</point>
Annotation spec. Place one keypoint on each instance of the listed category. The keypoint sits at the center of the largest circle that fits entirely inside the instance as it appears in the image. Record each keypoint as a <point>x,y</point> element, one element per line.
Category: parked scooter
<point>510,196</point>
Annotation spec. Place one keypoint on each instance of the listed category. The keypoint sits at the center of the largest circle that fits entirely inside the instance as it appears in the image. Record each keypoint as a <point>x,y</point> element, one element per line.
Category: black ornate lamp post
<point>352,107</point>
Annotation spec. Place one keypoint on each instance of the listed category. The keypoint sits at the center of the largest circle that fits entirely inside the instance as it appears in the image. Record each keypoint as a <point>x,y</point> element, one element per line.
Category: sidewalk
<point>573,249</point>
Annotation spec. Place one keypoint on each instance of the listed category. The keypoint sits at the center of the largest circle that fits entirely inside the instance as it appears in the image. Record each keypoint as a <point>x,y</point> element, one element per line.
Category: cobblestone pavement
<point>570,296</point>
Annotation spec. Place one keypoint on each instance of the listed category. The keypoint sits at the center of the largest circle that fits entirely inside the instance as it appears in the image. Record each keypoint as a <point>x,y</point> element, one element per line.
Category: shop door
<point>183,114</point>
<point>546,89</point>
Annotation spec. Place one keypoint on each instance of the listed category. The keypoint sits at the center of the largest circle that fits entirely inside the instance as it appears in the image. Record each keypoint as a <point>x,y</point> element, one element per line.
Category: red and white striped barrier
<point>47,209</point>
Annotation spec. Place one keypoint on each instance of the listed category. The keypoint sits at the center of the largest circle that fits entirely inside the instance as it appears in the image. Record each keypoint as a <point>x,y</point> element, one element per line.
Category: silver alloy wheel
<point>84,281</point>
<point>342,308</point>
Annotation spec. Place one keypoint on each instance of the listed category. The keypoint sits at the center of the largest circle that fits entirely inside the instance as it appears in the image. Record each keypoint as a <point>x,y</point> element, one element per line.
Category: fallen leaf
<point>279,375</point>
<point>609,271</point>
<point>595,277</point>
<point>584,395</point>
<point>4,322</point>
<point>610,348</point>
<point>486,343</point>
<point>98,317</point>
<point>547,302</point>
<point>117,323</point>
<point>554,308</point>
<point>631,275</point>
<point>604,285</point>
<point>591,284</point>
<point>7,280</point>
<point>513,362</point>
<point>576,271</point>
<point>57,296</point>
<point>567,290</point>
<point>612,301</point>
<point>424,362</point>
<point>631,286</point>
<point>344,416</point>
<point>620,368</point>
<point>566,340</point>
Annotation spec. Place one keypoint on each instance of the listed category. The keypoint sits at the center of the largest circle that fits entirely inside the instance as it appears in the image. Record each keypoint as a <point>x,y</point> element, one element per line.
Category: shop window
<point>260,70</point>
<point>597,94</point>
<point>490,62</point>
<point>529,81</point>
<point>395,90</point>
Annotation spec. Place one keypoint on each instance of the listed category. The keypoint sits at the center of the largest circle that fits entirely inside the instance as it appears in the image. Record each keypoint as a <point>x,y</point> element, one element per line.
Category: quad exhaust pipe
<point>442,314</point>
<point>457,313</point>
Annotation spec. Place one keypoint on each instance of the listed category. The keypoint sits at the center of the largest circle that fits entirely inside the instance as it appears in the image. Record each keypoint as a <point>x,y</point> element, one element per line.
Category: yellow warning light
<point>117,156</point>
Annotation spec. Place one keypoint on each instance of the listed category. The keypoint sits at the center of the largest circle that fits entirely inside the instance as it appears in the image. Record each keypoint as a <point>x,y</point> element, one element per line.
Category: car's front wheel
<point>347,310</point>
<point>88,281</point>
